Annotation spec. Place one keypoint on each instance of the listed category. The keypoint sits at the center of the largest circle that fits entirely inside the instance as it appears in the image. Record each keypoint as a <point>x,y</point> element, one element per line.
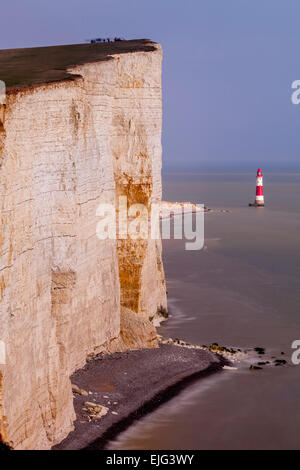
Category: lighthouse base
<point>256,204</point>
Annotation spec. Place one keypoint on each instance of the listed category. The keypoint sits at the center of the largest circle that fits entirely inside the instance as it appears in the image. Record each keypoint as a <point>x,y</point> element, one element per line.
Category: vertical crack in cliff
<point>131,253</point>
<point>133,179</point>
<point>62,292</point>
<point>2,131</point>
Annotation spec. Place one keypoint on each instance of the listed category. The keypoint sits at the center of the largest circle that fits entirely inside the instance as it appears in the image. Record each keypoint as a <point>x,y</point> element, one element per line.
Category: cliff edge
<point>81,126</point>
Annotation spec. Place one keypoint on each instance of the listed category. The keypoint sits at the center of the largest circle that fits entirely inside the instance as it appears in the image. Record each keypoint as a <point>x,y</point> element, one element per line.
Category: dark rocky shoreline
<point>131,385</point>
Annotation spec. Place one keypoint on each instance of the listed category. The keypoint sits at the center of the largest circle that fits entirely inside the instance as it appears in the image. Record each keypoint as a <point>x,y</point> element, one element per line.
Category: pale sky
<point>227,73</point>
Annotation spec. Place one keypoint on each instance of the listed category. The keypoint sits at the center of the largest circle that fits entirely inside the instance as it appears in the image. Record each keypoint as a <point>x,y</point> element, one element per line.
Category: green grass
<point>33,66</point>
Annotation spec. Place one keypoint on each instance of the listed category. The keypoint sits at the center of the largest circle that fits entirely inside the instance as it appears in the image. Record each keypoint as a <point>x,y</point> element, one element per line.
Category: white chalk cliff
<point>66,146</point>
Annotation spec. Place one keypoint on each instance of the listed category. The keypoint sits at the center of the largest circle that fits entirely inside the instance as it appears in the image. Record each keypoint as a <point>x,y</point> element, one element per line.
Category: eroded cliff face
<point>64,148</point>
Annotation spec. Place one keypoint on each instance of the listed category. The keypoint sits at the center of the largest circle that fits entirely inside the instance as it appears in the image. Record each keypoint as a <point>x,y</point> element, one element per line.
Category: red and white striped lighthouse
<point>259,198</point>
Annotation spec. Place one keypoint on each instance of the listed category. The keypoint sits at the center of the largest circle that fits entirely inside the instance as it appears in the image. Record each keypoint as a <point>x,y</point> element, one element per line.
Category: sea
<point>241,290</point>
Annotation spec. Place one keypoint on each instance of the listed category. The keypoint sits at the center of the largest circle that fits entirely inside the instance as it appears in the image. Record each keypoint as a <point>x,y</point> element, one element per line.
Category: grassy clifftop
<point>33,66</point>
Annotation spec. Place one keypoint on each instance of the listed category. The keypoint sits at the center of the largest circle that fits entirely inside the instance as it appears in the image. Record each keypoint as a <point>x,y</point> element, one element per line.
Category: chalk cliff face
<point>65,147</point>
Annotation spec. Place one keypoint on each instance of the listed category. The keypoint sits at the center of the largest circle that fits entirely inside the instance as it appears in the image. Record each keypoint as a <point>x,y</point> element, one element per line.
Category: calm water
<point>242,290</point>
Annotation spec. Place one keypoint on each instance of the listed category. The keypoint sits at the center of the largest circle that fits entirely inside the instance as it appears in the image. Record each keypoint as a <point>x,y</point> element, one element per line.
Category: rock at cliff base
<point>78,390</point>
<point>137,331</point>
<point>95,410</point>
